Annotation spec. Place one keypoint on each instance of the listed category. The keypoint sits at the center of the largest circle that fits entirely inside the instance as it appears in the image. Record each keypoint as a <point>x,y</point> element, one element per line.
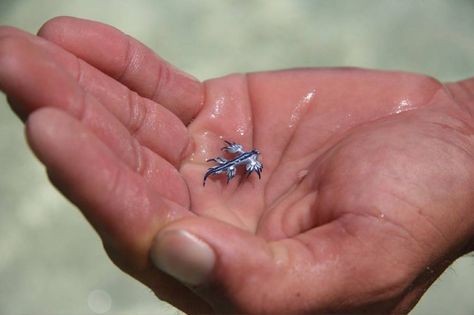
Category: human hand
<point>365,197</point>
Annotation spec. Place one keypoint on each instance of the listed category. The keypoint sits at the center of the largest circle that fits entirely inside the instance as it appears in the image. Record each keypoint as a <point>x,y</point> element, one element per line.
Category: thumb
<point>313,272</point>
<point>219,261</point>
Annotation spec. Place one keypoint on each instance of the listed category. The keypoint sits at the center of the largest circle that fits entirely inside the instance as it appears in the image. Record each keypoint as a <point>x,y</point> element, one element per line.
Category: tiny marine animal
<point>247,158</point>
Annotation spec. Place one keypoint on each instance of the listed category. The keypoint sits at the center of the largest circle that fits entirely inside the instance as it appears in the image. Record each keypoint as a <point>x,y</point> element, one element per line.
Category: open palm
<point>364,199</point>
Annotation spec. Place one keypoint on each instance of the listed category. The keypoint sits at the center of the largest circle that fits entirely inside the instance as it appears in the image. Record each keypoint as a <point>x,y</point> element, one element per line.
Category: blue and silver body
<point>249,159</point>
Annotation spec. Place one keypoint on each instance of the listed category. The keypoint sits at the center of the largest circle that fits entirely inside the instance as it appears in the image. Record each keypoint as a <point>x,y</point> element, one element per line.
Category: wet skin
<point>367,191</point>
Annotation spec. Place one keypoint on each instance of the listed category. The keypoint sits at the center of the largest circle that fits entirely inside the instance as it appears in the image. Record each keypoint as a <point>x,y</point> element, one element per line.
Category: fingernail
<point>183,256</point>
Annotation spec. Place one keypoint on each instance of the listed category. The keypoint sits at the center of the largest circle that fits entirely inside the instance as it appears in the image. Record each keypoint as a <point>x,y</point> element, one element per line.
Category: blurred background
<point>52,262</point>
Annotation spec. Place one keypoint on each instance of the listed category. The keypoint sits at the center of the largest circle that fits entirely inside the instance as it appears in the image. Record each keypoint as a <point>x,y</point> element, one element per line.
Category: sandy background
<point>51,261</point>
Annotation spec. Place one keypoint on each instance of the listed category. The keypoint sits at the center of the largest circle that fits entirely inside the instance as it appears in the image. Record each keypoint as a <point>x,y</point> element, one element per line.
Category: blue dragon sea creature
<point>247,158</point>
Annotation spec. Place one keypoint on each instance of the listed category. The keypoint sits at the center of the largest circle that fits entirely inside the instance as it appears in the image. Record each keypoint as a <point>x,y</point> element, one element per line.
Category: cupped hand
<point>365,198</point>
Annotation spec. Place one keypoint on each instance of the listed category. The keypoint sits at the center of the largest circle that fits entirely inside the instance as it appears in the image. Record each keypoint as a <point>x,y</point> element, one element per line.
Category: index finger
<point>128,61</point>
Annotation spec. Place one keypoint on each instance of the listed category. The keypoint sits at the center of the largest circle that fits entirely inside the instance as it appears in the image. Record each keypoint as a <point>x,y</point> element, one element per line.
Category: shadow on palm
<point>333,142</point>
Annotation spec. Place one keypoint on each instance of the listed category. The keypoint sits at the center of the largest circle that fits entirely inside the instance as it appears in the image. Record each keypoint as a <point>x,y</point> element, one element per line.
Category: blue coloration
<point>249,159</point>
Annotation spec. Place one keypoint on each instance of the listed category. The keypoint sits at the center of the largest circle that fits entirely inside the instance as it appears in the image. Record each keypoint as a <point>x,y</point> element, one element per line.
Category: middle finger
<point>31,78</point>
<point>151,124</point>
